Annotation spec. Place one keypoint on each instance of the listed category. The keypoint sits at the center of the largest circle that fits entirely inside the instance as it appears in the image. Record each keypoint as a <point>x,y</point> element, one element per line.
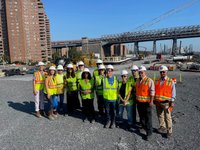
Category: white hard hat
<point>52,68</point>
<point>80,63</point>
<point>99,61</point>
<point>86,70</point>
<point>60,67</point>
<point>134,67</point>
<point>40,63</point>
<point>110,67</point>
<point>163,68</point>
<point>124,72</point>
<point>70,66</point>
<point>102,67</point>
<point>142,68</point>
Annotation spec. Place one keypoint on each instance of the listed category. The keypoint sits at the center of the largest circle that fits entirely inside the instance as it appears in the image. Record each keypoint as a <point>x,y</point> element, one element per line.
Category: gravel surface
<point>20,129</point>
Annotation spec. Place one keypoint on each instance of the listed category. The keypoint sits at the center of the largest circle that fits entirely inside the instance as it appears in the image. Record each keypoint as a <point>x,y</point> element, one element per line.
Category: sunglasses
<point>162,72</point>
<point>124,76</point>
<point>134,70</point>
<point>110,70</point>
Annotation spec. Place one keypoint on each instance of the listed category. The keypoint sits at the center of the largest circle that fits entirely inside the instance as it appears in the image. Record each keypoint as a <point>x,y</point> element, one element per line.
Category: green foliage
<point>74,55</point>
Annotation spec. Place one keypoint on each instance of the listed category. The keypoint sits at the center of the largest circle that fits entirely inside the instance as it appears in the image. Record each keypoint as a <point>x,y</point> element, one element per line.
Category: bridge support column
<point>174,47</point>
<point>154,47</point>
<point>136,48</point>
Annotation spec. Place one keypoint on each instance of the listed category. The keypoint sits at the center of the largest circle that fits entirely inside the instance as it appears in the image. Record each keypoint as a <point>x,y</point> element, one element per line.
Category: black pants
<point>72,101</point>
<point>100,102</point>
<point>134,113</point>
<point>88,109</point>
<point>145,113</point>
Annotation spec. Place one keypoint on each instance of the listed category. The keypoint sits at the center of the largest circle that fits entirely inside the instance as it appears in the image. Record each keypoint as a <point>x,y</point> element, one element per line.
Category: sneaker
<point>50,117</point>
<point>149,137</point>
<point>161,130</point>
<point>38,114</point>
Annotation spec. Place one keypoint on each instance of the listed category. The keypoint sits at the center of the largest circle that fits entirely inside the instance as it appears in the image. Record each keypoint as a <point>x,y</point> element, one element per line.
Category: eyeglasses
<point>110,70</point>
<point>124,76</point>
<point>134,70</point>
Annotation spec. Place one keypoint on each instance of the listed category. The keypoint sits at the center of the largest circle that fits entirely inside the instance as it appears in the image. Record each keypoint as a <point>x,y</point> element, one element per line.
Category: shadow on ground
<point>26,107</point>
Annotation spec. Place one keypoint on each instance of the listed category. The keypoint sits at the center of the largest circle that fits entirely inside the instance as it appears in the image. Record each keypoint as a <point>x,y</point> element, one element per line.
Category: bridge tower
<point>136,48</point>
<point>154,47</point>
<point>174,47</point>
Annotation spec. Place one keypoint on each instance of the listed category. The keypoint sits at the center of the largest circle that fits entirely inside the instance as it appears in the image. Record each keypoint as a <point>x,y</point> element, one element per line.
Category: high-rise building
<point>25,33</point>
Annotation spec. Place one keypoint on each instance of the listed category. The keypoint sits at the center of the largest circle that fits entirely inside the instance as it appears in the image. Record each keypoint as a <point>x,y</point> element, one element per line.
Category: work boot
<point>149,137</point>
<point>112,125</point>
<point>169,135</point>
<point>106,124</point>
<point>42,112</point>
<point>50,115</point>
<point>38,114</point>
<point>55,114</point>
<point>161,130</point>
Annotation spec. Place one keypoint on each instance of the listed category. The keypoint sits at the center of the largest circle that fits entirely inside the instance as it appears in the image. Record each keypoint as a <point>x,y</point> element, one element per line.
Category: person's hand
<point>48,96</point>
<point>34,92</point>
<point>151,104</point>
<point>171,104</point>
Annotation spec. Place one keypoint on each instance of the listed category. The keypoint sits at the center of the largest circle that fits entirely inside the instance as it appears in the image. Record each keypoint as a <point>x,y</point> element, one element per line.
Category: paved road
<point>20,129</point>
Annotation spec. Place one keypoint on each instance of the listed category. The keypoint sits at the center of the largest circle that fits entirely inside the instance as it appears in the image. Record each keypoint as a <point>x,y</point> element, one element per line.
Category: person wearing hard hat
<point>80,70</point>
<point>72,90</point>
<point>165,94</point>
<point>110,87</point>
<point>86,87</point>
<point>125,98</point>
<point>38,87</point>
<point>96,71</point>
<point>51,91</point>
<point>133,79</point>
<point>60,77</point>
<point>145,91</point>
<point>99,88</point>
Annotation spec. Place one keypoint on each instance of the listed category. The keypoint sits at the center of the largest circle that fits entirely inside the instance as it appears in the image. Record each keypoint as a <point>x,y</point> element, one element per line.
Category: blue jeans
<point>53,102</point>
<point>129,110</point>
<point>110,111</point>
<point>61,98</point>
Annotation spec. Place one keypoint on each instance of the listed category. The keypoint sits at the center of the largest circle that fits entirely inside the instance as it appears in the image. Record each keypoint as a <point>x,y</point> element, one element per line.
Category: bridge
<point>105,42</point>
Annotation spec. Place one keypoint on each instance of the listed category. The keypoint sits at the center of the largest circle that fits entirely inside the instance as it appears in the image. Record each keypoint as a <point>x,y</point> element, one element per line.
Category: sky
<point>74,19</point>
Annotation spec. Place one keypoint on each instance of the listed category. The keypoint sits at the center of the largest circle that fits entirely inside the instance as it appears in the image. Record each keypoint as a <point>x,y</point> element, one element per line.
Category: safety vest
<point>52,85</point>
<point>99,84</point>
<point>95,73</point>
<point>163,92</point>
<point>78,75</point>
<point>60,83</point>
<point>110,91</point>
<point>133,84</point>
<point>39,80</point>
<point>127,90</point>
<point>71,84</point>
<point>142,90</point>
<point>83,86</point>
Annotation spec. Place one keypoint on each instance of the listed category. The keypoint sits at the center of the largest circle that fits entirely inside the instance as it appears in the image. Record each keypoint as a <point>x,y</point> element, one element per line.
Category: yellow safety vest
<point>99,84</point>
<point>133,84</point>
<point>78,75</point>
<point>71,84</point>
<point>83,86</point>
<point>96,73</point>
<point>110,91</point>
<point>60,83</point>
<point>128,88</point>
<point>52,85</point>
<point>39,80</point>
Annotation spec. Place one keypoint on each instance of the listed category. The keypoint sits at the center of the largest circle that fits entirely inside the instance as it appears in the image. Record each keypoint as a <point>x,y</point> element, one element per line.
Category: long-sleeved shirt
<point>173,87</point>
<point>151,86</point>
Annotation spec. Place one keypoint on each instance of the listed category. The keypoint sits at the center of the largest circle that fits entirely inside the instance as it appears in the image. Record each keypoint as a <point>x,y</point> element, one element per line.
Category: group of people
<point>137,92</point>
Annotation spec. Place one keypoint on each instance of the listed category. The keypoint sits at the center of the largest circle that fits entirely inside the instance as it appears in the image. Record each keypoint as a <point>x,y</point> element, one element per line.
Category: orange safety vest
<point>39,78</point>
<point>142,90</point>
<point>163,92</point>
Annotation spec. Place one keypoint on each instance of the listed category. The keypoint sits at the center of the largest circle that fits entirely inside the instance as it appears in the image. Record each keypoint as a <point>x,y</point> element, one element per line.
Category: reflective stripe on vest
<point>39,80</point>
<point>142,90</point>
<point>110,91</point>
<point>87,86</point>
<point>52,85</point>
<point>163,92</point>
<point>127,90</point>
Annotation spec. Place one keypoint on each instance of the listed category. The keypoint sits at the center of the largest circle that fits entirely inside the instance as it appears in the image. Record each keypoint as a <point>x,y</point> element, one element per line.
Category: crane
<point>165,15</point>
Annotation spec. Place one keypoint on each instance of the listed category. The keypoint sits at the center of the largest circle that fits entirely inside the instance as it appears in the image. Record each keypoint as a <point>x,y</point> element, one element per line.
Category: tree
<point>74,55</point>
